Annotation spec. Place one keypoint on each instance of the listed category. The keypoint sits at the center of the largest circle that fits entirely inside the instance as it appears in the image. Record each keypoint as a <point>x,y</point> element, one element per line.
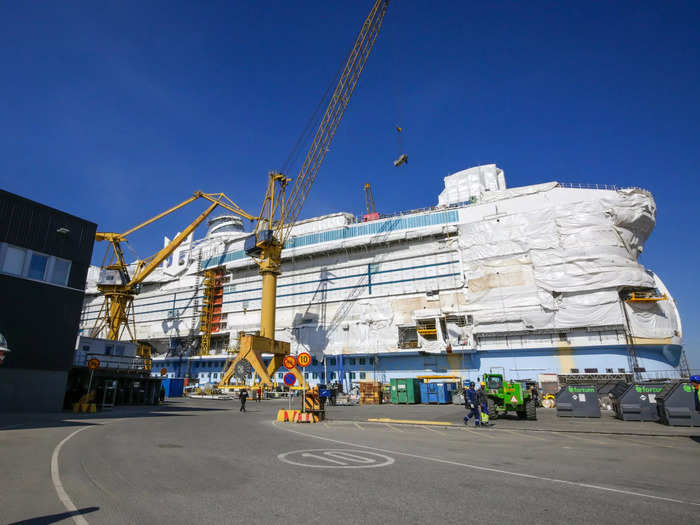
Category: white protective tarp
<point>560,265</point>
<point>472,183</point>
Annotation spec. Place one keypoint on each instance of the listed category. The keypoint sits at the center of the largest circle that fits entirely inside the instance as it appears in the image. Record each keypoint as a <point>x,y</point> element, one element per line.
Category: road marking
<point>519,434</point>
<point>358,426</point>
<point>500,471</point>
<point>56,479</point>
<point>335,458</point>
<point>434,430</point>
<point>394,428</point>
<point>409,421</point>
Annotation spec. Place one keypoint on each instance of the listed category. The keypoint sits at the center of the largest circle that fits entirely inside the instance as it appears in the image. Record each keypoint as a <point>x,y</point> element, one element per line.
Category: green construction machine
<point>508,396</point>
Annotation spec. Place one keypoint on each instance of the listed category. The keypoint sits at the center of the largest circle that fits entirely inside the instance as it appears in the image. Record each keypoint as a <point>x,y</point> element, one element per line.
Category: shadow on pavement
<point>55,518</point>
<point>18,421</point>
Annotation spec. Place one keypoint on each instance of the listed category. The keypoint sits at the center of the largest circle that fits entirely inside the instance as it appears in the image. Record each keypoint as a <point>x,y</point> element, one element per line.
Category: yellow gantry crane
<point>280,210</point>
<point>119,286</point>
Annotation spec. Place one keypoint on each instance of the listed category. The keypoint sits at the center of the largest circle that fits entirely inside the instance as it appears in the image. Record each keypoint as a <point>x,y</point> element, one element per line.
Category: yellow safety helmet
<point>483,384</point>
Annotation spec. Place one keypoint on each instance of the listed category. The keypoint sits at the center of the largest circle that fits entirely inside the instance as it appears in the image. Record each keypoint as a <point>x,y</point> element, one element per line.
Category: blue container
<point>174,386</point>
<point>436,393</point>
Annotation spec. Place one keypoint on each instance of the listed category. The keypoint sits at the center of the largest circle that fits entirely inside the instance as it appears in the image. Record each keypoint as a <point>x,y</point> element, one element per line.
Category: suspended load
<point>403,158</point>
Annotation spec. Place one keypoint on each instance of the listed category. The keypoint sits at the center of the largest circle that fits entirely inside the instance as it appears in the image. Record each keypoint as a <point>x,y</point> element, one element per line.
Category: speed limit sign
<point>304,359</point>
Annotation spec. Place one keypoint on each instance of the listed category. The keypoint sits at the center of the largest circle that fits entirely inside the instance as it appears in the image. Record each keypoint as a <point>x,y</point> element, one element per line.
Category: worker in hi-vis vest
<point>695,381</point>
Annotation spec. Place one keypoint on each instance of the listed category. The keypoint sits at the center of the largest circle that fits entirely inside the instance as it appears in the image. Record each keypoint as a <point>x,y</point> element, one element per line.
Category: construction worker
<point>471,402</point>
<point>243,396</point>
<point>695,381</point>
<point>483,405</point>
<point>259,392</point>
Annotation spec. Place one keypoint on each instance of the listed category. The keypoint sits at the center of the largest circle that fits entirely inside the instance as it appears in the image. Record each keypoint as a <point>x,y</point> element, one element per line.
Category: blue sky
<point>114,111</point>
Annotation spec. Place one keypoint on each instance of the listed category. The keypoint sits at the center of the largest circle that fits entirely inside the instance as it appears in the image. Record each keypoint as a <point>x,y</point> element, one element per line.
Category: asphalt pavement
<point>200,461</point>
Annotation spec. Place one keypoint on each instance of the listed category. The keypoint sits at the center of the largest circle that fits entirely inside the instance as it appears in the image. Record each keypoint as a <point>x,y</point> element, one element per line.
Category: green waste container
<point>405,391</point>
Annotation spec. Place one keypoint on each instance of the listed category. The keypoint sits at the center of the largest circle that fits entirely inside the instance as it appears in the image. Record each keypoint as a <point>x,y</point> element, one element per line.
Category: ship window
<point>640,369</point>
<point>108,349</point>
<point>352,375</point>
<point>120,350</point>
<point>427,329</point>
<point>574,370</point>
<point>408,337</point>
<point>314,375</point>
<point>362,360</point>
<point>562,336</point>
<point>332,361</point>
<point>306,375</point>
<point>590,370</point>
<point>351,360</point>
<point>314,361</point>
<point>608,370</point>
<point>332,375</point>
<point>458,320</point>
<point>86,348</point>
<point>621,370</point>
<point>370,360</point>
<point>362,375</point>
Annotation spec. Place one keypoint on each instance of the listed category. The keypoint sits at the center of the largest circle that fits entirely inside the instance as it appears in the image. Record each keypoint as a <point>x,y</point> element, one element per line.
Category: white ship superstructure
<point>536,279</point>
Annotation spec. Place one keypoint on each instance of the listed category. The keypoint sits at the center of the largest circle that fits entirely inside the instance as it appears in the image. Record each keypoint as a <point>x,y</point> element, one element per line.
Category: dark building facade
<point>44,259</point>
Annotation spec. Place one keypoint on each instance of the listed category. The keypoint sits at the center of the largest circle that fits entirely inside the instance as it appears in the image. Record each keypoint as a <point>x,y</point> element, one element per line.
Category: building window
<point>574,370</point>
<point>640,369</point>
<point>314,361</point>
<point>352,375</point>
<point>306,375</point>
<point>362,375</point>
<point>109,349</point>
<point>41,267</point>
<point>314,375</point>
<point>37,266</point>
<point>14,260</point>
<point>120,350</point>
<point>332,361</point>
<point>362,360</point>
<point>60,272</point>
<point>590,370</point>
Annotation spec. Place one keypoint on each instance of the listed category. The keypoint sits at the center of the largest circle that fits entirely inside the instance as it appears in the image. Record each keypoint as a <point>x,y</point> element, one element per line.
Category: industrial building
<point>44,259</point>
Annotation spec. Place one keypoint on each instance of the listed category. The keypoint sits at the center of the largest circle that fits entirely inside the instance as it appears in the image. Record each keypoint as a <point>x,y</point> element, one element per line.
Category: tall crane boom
<point>334,112</point>
<point>280,210</point>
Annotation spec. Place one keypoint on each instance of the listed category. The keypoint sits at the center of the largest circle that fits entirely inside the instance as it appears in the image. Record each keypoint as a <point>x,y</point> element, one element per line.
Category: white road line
<point>394,428</point>
<point>500,471</point>
<point>56,479</point>
<point>358,426</point>
<point>433,430</point>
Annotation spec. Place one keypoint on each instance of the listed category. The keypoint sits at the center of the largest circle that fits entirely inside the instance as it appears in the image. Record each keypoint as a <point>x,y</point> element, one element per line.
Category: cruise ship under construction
<point>540,279</point>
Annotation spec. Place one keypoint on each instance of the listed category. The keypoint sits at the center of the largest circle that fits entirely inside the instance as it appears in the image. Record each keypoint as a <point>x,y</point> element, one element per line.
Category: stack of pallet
<point>370,393</point>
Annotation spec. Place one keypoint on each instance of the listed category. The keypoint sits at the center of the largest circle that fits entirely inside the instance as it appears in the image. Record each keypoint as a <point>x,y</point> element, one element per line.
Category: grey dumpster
<point>607,391</point>
<point>637,402</point>
<point>578,401</point>
<point>676,405</point>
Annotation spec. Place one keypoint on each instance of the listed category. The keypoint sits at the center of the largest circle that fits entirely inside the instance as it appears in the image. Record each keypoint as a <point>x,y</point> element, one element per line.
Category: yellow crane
<point>281,208</point>
<point>279,212</point>
<point>119,286</point>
